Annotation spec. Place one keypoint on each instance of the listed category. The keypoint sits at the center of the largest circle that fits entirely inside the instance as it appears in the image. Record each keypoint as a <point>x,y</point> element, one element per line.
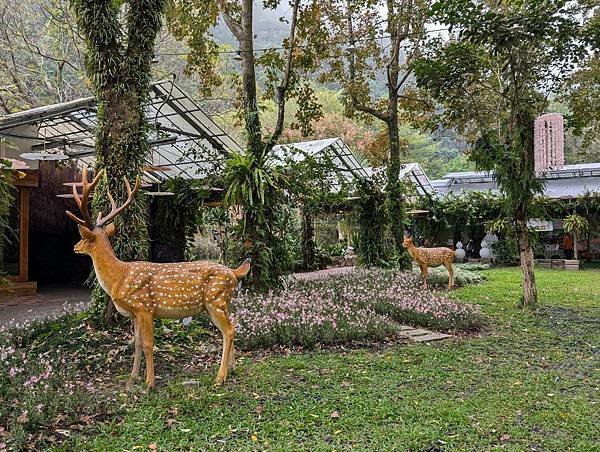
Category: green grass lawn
<point>528,381</point>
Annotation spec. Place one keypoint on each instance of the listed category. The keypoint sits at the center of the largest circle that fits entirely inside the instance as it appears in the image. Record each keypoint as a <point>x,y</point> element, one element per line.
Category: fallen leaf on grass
<point>504,438</point>
<point>152,446</point>
<point>335,415</point>
<point>170,423</point>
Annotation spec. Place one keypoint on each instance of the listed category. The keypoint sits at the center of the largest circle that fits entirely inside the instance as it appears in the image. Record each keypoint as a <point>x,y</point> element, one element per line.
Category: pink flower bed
<point>366,304</point>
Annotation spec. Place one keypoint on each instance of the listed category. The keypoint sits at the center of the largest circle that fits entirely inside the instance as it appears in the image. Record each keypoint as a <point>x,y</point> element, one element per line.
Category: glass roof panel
<point>181,134</point>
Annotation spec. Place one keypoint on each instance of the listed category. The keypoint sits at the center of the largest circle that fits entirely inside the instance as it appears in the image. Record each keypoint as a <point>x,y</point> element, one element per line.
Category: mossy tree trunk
<point>120,46</point>
<point>308,239</point>
<point>403,19</point>
<point>526,258</point>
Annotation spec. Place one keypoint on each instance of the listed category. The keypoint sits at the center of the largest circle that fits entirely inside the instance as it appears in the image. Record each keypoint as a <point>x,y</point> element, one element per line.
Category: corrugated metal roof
<point>568,182</point>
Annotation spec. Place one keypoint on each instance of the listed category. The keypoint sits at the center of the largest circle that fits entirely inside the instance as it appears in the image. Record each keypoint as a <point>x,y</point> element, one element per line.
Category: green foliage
<point>175,219</point>
<point>506,252</point>
<point>459,216</point>
<point>438,276</point>
<point>371,223</point>
<point>582,91</point>
<point>254,185</point>
<point>204,249</point>
<point>7,199</point>
<point>577,225</point>
<point>269,188</point>
<point>493,97</point>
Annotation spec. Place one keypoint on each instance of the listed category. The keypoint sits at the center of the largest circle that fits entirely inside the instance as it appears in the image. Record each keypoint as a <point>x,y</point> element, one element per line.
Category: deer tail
<point>243,269</point>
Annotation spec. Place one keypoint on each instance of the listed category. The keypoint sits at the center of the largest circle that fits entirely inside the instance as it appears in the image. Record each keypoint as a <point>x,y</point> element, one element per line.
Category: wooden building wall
<point>51,233</point>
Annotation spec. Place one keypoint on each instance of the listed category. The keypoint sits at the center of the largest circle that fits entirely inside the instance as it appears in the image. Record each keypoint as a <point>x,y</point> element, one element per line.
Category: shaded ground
<point>48,302</point>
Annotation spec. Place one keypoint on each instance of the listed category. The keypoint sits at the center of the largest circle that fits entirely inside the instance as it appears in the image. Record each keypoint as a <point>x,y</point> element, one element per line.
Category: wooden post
<point>24,234</point>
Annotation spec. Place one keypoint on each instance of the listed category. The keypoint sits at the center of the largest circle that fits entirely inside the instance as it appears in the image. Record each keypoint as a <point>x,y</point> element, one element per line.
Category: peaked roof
<point>415,173</point>
<point>182,137</point>
<point>333,149</point>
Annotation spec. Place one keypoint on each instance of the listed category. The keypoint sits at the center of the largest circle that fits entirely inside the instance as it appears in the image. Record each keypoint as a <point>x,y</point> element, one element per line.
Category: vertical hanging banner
<point>549,142</point>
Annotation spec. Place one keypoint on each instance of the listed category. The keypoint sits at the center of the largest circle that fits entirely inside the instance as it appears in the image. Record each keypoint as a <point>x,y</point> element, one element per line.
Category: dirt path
<point>48,302</point>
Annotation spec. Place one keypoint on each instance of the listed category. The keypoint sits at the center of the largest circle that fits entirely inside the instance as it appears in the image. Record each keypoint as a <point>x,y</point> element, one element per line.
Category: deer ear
<point>85,233</point>
<point>110,229</point>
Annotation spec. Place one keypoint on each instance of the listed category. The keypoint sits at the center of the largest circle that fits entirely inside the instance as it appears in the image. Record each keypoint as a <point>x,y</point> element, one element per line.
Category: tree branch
<point>372,111</point>
<point>34,48</point>
<point>356,105</point>
<point>282,89</point>
<point>233,26</point>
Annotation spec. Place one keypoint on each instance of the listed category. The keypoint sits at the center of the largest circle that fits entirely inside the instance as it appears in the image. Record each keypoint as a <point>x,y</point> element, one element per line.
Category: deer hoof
<point>219,380</point>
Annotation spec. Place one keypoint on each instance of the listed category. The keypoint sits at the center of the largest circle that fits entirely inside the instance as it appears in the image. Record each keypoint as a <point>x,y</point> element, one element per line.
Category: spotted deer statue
<point>431,257</point>
<point>145,290</point>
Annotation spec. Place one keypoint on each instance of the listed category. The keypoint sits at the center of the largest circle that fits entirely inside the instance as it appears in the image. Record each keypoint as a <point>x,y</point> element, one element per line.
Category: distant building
<point>569,182</point>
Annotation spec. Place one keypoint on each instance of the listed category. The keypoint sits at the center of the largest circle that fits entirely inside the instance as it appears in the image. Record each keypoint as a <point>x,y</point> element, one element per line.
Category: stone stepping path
<point>421,334</point>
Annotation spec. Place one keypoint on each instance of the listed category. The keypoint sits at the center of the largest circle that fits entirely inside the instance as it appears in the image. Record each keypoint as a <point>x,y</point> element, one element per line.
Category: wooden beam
<point>31,179</point>
<point>24,234</point>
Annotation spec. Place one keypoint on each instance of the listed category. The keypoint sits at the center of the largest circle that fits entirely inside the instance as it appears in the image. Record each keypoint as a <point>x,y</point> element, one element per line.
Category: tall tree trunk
<point>308,239</point>
<point>252,118</point>
<point>121,150</point>
<point>526,256</point>
<point>394,198</point>
<point>575,237</point>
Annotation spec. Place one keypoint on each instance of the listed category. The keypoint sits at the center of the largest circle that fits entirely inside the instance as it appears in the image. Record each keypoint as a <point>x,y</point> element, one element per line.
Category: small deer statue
<point>145,290</point>
<point>430,257</point>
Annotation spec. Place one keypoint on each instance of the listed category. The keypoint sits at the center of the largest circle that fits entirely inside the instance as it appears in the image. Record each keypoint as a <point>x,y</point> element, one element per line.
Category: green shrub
<point>204,249</point>
<point>505,253</point>
<point>438,276</point>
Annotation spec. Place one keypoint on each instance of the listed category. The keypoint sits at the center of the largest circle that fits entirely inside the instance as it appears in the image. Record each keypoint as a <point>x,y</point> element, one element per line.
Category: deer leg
<point>219,317</point>
<point>448,265</point>
<point>137,354</point>
<point>424,275</point>
<point>146,327</point>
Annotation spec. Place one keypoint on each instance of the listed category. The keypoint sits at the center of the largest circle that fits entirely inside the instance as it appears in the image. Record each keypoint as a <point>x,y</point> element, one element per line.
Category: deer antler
<point>82,202</point>
<point>117,210</point>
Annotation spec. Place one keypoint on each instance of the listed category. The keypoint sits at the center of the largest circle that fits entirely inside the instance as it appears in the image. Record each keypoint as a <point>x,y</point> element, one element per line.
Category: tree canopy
<point>492,78</point>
